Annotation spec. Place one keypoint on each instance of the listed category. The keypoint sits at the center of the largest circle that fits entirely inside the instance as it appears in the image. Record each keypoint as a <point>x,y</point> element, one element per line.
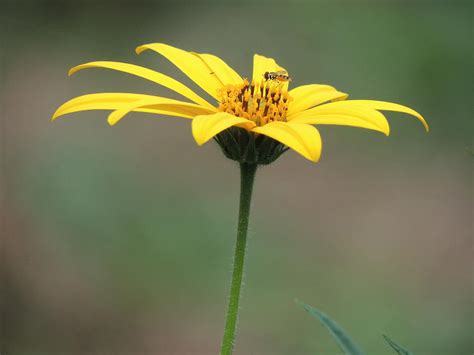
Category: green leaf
<point>396,347</point>
<point>347,345</point>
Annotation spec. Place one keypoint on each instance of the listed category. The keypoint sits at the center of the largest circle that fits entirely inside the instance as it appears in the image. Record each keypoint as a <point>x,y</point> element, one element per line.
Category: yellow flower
<point>253,120</point>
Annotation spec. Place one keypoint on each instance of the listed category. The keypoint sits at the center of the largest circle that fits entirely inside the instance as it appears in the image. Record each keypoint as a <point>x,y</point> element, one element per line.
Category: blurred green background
<point>120,240</point>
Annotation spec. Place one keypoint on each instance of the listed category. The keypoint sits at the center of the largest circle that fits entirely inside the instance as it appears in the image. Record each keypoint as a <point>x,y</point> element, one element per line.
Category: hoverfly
<point>280,76</point>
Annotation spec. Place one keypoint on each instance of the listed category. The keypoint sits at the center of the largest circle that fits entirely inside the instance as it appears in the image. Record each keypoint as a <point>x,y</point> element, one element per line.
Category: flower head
<point>254,120</point>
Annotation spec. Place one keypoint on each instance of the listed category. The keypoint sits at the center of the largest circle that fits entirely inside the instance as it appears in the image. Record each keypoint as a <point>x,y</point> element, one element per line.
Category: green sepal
<point>249,148</point>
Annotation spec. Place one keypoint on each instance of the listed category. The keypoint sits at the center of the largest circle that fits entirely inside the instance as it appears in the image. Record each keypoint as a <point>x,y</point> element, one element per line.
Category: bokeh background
<point>120,240</point>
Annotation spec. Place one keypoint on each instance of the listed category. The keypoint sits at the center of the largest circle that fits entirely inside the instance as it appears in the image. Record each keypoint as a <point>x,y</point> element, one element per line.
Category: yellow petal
<point>148,74</point>
<point>303,138</point>
<point>389,106</point>
<point>190,64</point>
<point>307,96</point>
<point>162,106</point>
<point>207,126</point>
<point>220,69</point>
<point>118,101</point>
<point>341,120</point>
<point>346,115</point>
<point>99,101</point>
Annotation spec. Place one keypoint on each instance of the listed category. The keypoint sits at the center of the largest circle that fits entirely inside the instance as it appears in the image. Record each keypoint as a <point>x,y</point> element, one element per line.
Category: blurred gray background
<point>119,240</point>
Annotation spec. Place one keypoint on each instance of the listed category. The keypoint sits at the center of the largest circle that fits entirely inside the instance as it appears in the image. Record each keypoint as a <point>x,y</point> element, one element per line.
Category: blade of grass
<point>347,345</point>
<point>398,348</point>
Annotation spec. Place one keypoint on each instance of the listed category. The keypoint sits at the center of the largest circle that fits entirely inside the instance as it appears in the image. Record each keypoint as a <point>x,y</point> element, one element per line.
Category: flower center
<point>262,102</point>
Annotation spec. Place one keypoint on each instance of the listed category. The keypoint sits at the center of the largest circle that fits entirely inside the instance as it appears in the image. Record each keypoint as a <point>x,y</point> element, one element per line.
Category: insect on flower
<point>253,120</point>
<point>280,76</point>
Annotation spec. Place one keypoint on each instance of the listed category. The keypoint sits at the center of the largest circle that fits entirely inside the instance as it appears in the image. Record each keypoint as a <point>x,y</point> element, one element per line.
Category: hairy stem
<point>247,175</point>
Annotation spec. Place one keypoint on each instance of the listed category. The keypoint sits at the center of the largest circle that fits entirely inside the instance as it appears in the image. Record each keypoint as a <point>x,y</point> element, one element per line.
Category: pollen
<point>261,102</point>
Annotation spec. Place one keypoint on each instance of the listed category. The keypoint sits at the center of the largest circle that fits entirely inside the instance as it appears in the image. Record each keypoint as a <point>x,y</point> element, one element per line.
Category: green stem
<point>247,175</point>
